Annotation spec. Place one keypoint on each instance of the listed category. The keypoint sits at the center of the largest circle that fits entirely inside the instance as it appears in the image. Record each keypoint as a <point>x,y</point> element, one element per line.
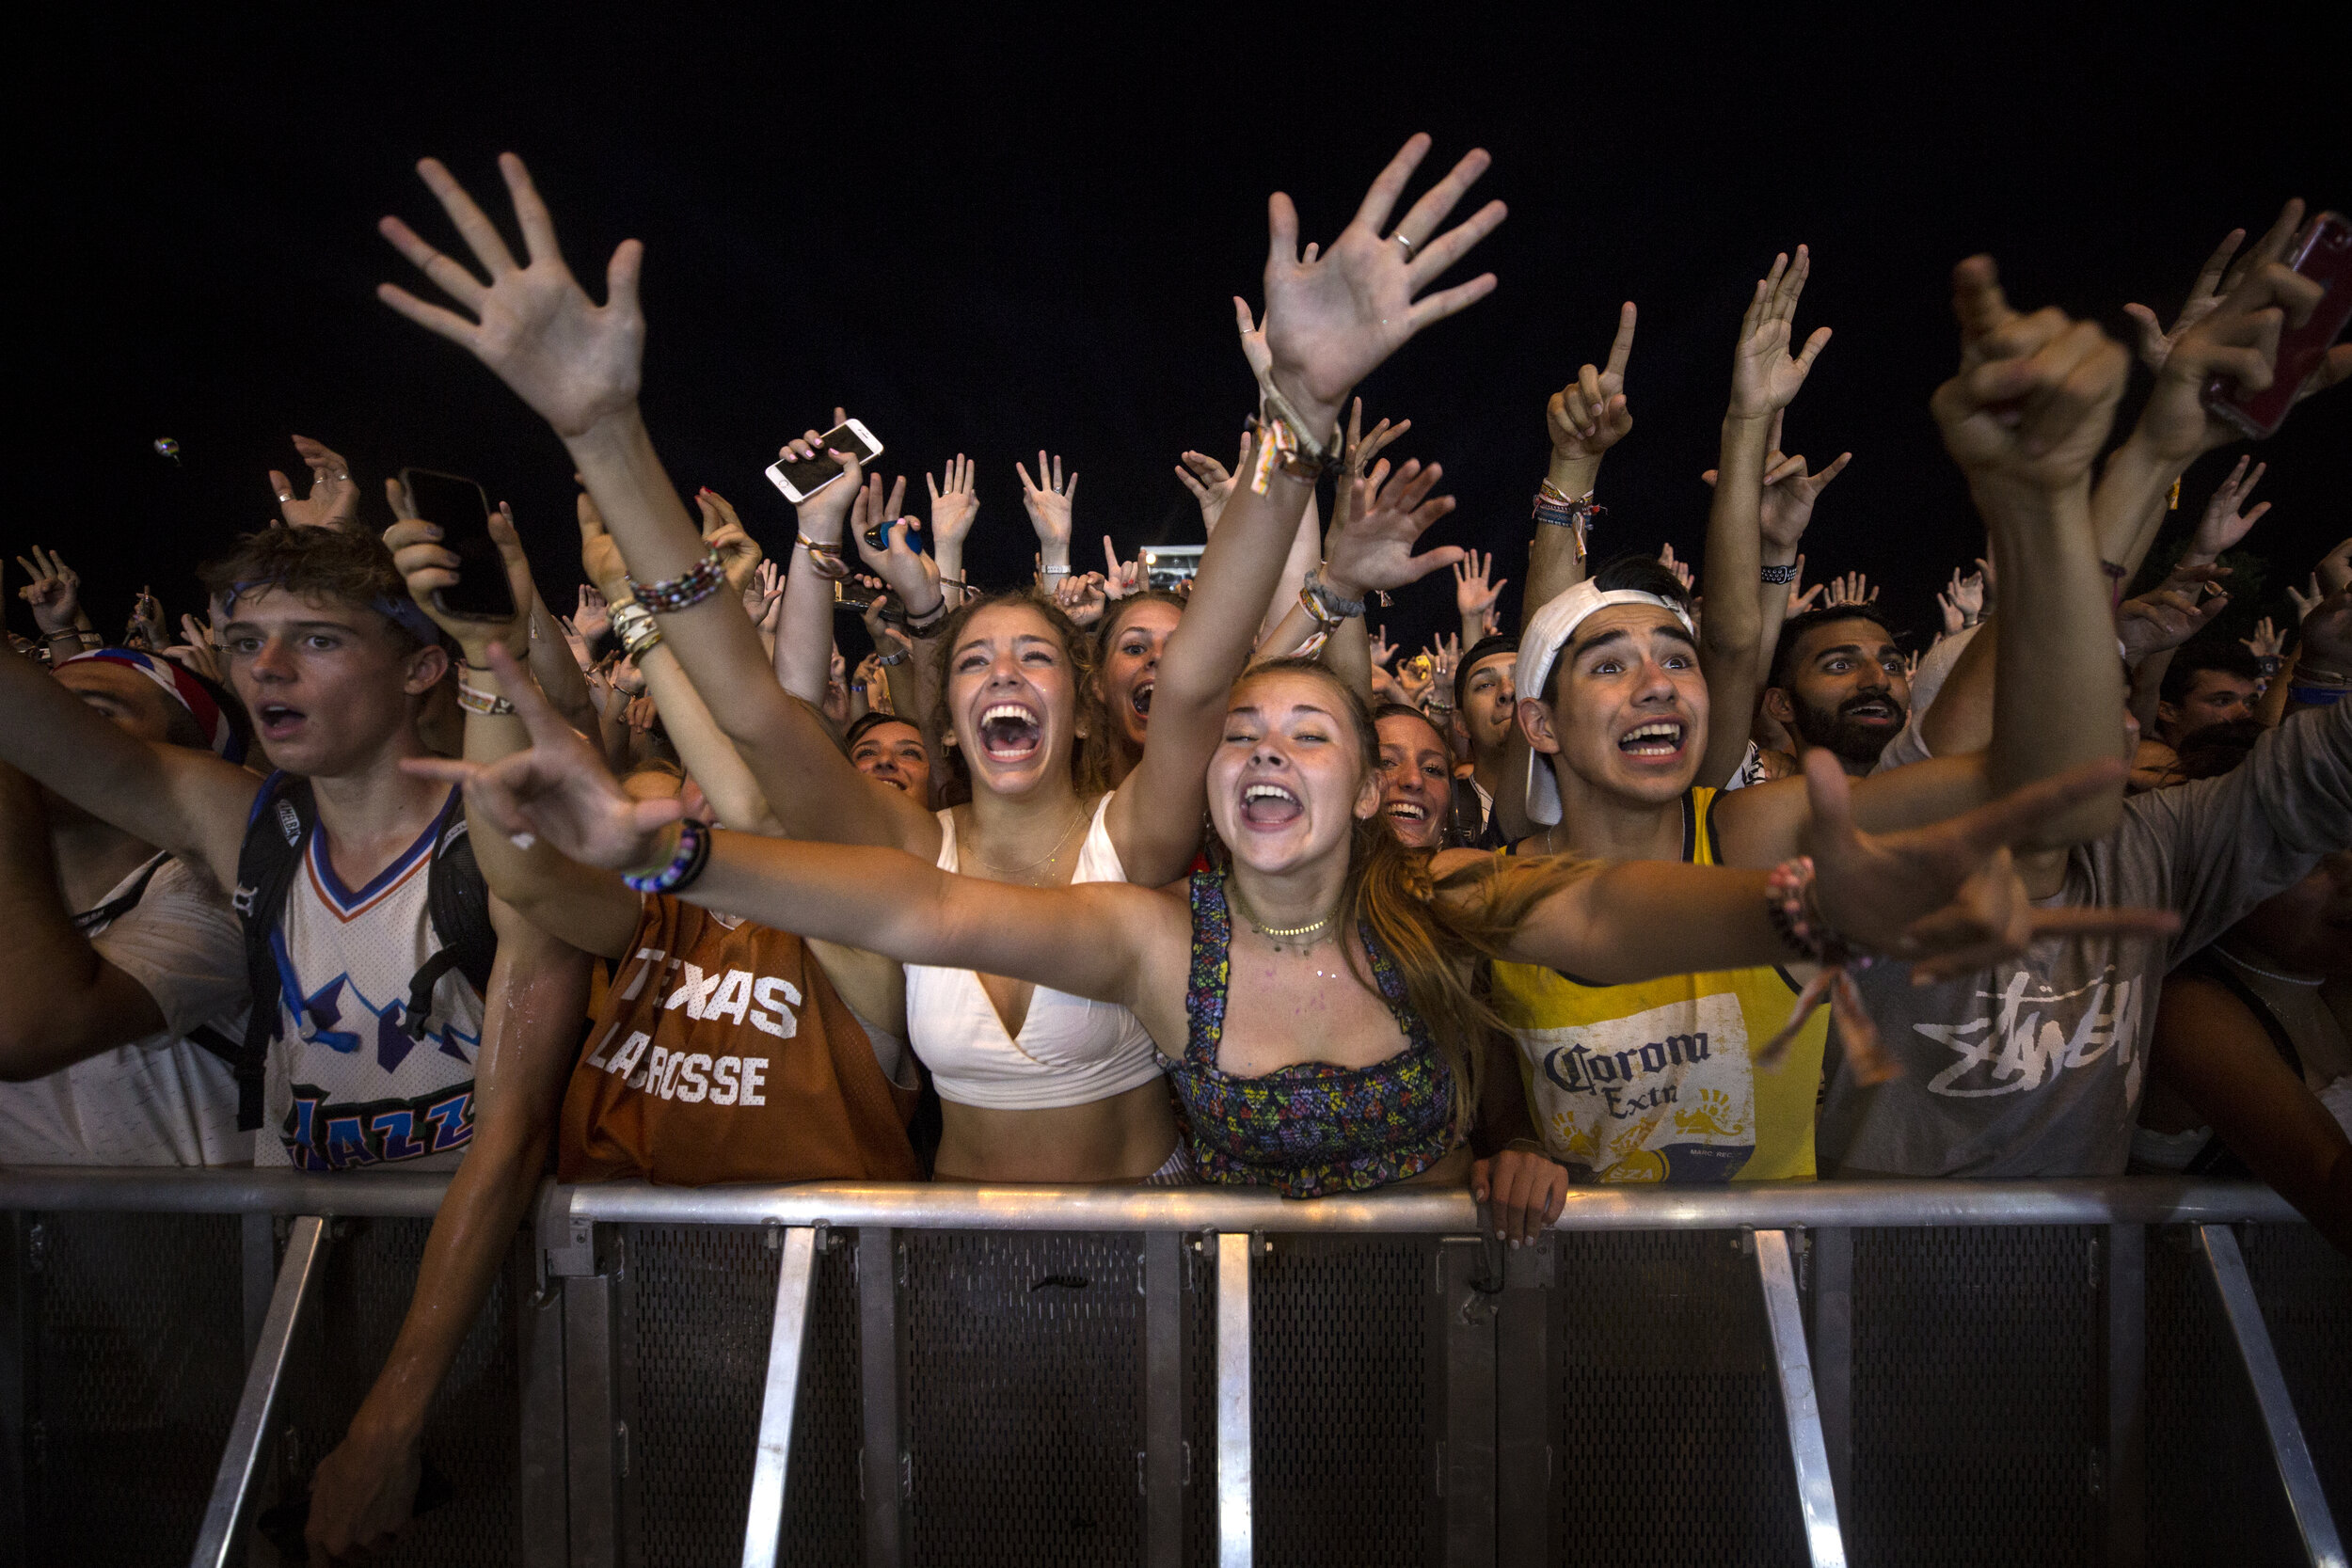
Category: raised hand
<point>1590,415</point>
<point>198,653</point>
<point>1473,593</point>
<point>2325,657</point>
<point>1968,593</point>
<point>1373,552</point>
<point>1947,897</point>
<point>2170,614</point>
<point>334,497</point>
<point>1382,651</point>
<point>2268,643</point>
<point>1254,350</point>
<point>428,566</point>
<point>594,617</point>
<point>1765,378</point>
<point>1083,597</point>
<point>1681,569</point>
<point>1789,491</point>
<point>1121,578</point>
<point>836,706</point>
<point>723,531</point>
<point>955,502</point>
<point>2035,395</point>
<point>54,590</point>
<point>146,628</point>
<point>1211,482</point>
<point>1851,589</point>
<point>2226,520</point>
<point>2238,337</point>
<point>1802,598</point>
<point>557,789</point>
<point>1445,657</point>
<point>912,576</point>
<point>764,601</point>
<point>1048,500</point>
<point>1333,317</point>
<point>1954,622</point>
<point>2155,344</point>
<point>574,361</point>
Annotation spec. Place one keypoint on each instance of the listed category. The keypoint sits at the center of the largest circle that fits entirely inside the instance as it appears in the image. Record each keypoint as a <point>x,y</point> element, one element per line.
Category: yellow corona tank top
<point>1656,1081</point>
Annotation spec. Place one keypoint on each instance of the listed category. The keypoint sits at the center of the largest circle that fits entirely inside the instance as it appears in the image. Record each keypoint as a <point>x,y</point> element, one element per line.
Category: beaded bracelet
<point>685,591</point>
<point>825,560</point>
<point>634,625</point>
<point>685,863</point>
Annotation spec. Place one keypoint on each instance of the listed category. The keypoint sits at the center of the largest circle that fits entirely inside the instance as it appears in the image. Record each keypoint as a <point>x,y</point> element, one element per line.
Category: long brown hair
<point>1437,932</point>
<point>1090,751</point>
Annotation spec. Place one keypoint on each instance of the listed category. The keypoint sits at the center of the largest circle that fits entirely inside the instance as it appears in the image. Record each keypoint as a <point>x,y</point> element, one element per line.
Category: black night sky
<point>995,233</point>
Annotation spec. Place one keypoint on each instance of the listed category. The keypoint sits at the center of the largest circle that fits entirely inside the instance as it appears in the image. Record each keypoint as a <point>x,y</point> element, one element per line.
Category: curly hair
<point>318,562</point>
<point>1090,751</point>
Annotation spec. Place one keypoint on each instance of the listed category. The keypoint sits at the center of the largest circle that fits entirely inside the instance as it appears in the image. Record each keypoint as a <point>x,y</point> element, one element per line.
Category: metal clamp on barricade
<point>1199,1232</point>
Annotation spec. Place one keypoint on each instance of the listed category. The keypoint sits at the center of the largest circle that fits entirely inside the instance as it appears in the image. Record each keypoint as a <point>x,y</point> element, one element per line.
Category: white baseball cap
<point>1547,631</point>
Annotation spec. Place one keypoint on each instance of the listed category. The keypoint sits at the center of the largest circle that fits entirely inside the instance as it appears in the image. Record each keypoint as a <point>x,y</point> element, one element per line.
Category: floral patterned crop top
<point>1311,1129</point>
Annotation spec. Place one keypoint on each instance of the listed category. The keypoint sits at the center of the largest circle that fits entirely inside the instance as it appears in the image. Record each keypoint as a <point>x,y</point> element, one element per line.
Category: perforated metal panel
<point>704,1302</point>
<point>1023,1398</point>
<point>1976,1407</point>
<point>1667,1428</point>
<point>2214,1493</point>
<point>471,1434</point>
<point>136,1365</point>
<point>1342,1440</point>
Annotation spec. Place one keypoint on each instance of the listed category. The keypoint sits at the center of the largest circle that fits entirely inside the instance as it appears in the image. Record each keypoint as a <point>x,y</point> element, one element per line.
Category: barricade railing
<point>1811,1371</point>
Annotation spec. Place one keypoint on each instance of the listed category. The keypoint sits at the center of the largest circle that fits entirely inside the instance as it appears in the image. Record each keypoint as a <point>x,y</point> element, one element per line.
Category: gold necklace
<point>1276,934</point>
<point>1047,860</point>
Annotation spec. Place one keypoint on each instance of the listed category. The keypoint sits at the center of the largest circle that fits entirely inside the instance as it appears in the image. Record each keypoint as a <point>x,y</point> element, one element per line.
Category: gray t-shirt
<point>2034,1069</point>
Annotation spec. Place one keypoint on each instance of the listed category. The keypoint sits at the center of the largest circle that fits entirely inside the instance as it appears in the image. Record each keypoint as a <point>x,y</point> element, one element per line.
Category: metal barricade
<point>879,1375</point>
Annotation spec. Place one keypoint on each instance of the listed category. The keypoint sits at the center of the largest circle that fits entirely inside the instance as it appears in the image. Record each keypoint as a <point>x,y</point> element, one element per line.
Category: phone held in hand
<point>459,509</point>
<point>854,596</point>
<point>799,481</point>
<point>878,535</point>
<point>2323,253</point>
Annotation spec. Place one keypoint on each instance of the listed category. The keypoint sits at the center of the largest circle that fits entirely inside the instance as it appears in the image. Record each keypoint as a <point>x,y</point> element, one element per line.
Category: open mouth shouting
<point>1139,698</point>
<point>1267,807</point>
<point>1656,741</point>
<point>277,722</point>
<point>1407,811</point>
<point>1011,733</point>
<point>1871,710</point>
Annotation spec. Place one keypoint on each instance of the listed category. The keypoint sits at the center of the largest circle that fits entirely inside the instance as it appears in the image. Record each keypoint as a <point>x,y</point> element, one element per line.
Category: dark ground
<point>988,234</point>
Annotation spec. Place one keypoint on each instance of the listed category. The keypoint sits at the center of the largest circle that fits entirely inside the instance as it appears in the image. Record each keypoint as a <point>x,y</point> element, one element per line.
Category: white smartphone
<point>799,481</point>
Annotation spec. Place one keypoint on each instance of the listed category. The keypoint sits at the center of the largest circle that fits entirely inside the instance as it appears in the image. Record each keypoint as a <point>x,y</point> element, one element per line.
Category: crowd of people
<point>1693,875</point>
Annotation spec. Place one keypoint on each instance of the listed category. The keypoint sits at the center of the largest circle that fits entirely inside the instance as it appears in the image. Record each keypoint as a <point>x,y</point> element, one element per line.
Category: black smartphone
<point>799,481</point>
<point>855,596</point>
<point>459,509</point>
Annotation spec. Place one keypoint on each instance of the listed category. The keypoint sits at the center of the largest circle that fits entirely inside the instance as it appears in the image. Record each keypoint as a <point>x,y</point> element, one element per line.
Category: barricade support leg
<point>216,1542</point>
<point>1233,1399</point>
<point>1471,1276</point>
<point>1163,1467</point>
<point>2124,1343</point>
<point>1792,1367</point>
<point>592,1419</point>
<point>787,1342</point>
<point>882,1391</point>
<point>1832,1254</point>
<point>1523,1402</point>
<point>2226,1264</point>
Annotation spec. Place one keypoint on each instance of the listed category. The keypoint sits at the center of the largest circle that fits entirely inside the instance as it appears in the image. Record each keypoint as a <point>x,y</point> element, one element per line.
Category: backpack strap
<point>122,903</point>
<point>457,897</point>
<point>275,833</point>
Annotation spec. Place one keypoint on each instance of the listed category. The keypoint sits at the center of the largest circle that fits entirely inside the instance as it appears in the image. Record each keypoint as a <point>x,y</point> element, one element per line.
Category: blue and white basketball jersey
<point>347,1087</point>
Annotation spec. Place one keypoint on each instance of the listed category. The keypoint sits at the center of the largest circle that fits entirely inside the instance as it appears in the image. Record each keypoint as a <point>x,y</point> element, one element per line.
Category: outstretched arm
<point>578,365</point>
<point>1765,379</point>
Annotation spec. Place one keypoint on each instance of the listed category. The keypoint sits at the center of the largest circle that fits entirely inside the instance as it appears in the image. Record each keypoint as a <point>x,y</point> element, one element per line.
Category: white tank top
<point>1070,1051</point>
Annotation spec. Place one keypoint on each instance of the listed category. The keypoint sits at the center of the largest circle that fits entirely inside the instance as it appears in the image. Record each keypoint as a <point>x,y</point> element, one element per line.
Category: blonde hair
<point>1439,931</point>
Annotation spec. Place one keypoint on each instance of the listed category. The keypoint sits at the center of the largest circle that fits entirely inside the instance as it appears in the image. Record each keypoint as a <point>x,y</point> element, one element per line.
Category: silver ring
<point>285,495</point>
<point>1399,238</point>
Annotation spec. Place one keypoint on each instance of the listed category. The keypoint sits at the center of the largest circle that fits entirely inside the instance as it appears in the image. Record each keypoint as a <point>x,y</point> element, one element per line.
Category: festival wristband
<point>634,625</point>
<point>1785,573</point>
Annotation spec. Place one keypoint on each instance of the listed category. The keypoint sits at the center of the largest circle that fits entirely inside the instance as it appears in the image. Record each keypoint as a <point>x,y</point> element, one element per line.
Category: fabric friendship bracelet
<point>475,700</point>
<point>639,632</point>
<point>1324,604</point>
<point>1782,574</point>
<point>826,560</point>
<point>685,863</point>
<point>1281,445</point>
<point>685,591</point>
<point>1789,901</point>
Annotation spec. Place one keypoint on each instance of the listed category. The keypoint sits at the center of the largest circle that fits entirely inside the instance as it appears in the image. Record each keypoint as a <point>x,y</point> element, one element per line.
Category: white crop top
<point>1070,1051</point>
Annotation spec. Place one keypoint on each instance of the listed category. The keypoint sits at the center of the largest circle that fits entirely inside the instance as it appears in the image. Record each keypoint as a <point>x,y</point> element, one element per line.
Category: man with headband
<point>385,1038</point>
<point>122,984</point>
<point>1672,1080</point>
